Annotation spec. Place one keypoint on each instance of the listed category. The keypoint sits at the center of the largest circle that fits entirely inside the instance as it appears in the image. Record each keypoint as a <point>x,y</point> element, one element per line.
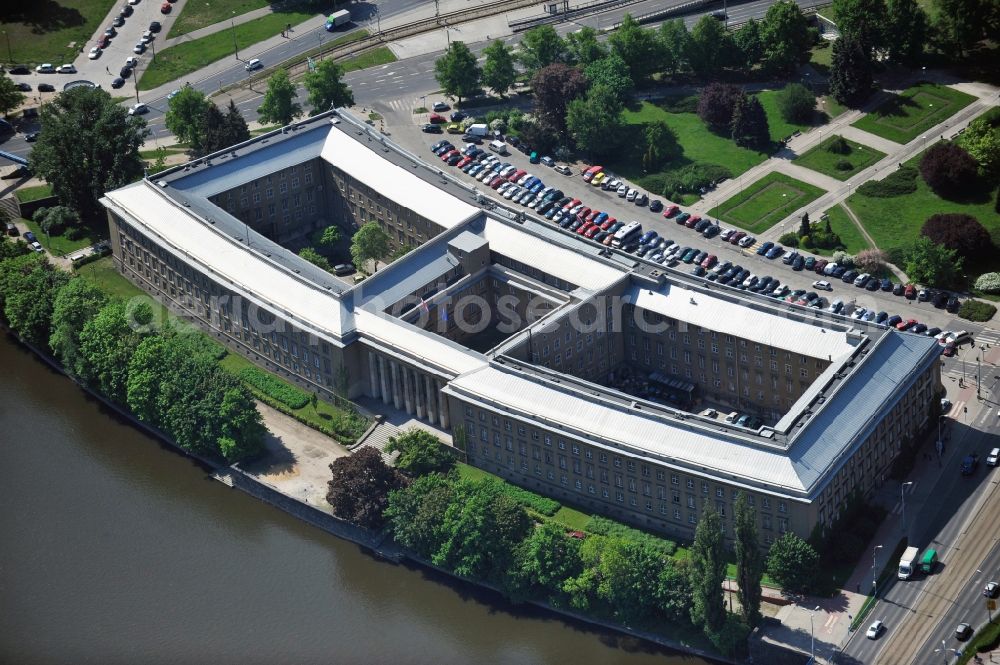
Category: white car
<point>858,313</point>
<point>139,48</point>
<point>631,194</point>
<point>172,94</point>
<point>565,170</point>
<point>65,69</point>
<point>132,62</point>
<point>133,2</point>
<point>45,68</point>
<point>993,458</point>
<point>35,245</point>
<point>95,53</point>
<point>747,241</point>
<point>138,109</point>
<point>875,629</point>
<point>622,191</point>
<point>822,284</point>
<point>146,37</point>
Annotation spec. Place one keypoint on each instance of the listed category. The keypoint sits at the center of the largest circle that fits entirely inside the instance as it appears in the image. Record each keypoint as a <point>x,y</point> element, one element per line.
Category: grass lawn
<point>61,245</point>
<point>43,32</point>
<point>26,194</point>
<point>197,15</point>
<point>832,107</point>
<point>903,117</point>
<point>849,234</point>
<point>821,56</point>
<point>820,159</point>
<point>104,275</point>
<point>896,222</point>
<point>178,61</point>
<point>779,127</point>
<point>380,56</point>
<point>766,202</point>
<point>697,142</point>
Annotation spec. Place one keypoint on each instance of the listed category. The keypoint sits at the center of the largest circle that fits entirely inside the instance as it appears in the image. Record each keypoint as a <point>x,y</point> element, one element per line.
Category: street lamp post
<point>135,79</point>
<point>902,499</point>
<point>875,571</point>
<point>812,635</point>
<point>232,24</point>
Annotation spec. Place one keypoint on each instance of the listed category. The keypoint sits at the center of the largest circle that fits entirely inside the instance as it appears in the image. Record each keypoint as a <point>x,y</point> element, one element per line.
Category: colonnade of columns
<point>403,387</point>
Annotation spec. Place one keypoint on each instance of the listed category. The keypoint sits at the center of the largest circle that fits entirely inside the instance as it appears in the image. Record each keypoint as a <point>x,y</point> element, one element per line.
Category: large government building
<point>573,370</point>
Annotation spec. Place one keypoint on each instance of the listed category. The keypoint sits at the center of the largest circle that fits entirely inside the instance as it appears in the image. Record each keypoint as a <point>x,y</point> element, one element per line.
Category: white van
<point>254,64</point>
<point>498,147</point>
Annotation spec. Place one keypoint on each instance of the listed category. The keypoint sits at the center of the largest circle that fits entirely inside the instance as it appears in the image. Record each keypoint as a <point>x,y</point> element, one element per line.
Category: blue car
<point>762,250</point>
<point>531,182</point>
<point>537,187</point>
<point>600,219</point>
<point>648,237</point>
<point>775,252</point>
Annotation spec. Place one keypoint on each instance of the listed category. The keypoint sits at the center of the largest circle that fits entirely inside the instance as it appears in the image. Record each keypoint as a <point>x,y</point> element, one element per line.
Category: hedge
<point>975,310</point>
<point>989,282</point>
<point>536,502</point>
<point>338,434</point>
<point>606,527</point>
<point>274,388</point>
<point>900,182</point>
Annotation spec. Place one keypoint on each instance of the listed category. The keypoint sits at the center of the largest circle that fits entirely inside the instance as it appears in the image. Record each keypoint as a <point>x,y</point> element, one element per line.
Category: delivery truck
<point>337,19</point>
<point>479,129</point>
<point>908,563</point>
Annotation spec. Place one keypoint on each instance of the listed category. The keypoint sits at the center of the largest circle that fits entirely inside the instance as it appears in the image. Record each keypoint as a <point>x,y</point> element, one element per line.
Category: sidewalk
<point>218,27</point>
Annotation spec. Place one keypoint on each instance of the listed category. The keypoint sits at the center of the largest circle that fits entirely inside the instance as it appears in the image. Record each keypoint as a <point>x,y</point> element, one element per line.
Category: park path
<point>901,276</point>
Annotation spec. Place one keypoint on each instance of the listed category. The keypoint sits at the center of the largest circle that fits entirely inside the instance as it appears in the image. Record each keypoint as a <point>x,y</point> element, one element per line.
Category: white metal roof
<point>228,258</point>
<point>742,319</point>
<point>363,161</point>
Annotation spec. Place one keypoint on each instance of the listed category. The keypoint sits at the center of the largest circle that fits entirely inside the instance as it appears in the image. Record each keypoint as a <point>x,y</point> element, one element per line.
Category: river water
<point>116,549</point>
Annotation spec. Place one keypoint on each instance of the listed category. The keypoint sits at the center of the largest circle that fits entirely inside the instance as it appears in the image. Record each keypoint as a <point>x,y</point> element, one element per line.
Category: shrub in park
<point>975,310</point>
<point>796,103</point>
<point>948,169</point>
<point>871,260</point>
<point>843,165</point>
<point>790,239</point>
<point>958,231</point>
<point>715,106</point>
<point>988,282</point>
<point>900,182</point>
<point>838,146</point>
<point>274,388</point>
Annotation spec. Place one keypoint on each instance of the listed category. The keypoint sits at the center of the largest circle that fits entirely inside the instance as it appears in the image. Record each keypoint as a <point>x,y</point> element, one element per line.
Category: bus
<point>630,231</point>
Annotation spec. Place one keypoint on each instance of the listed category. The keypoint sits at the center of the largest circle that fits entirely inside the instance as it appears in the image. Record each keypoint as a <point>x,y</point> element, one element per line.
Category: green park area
<point>196,15</point>
<point>839,158</point>
<point>766,202</point>
<point>848,232</point>
<point>56,31</point>
<point>176,62</point>
<point>895,221</point>
<point>780,128</point>
<point>63,244</point>
<point>903,117</point>
<point>699,145</point>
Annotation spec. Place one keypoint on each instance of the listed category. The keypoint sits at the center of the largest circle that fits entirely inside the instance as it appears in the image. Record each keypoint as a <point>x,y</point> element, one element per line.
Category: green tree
<point>326,87</point>
<point>416,513</point>
<point>708,570</point>
<point>804,228</point>
<point>370,243</point>
<point>908,26</point>
<point>546,559</point>
<point>420,453</point>
<point>674,593</point>
<point>749,42</point>
<point>638,48</point>
<point>56,219</point>
<point>933,264</point>
<point>360,487</point>
<point>243,429</point>
<point>238,130</point>
<point>326,237</point>
<point>596,122</point>
<point>185,116</point>
<point>960,24</point>
<point>749,562</point>
<point>583,47</point>
<point>457,71</point>
<point>498,70</point>
<point>279,105</point>
<point>749,126</point>
<point>611,73</point>
<point>661,146</point>
<point>315,258</point>
<point>10,96</point>
<point>29,285</point>
<point>554,87</point>
<point>863,21</point>
<point>796,103</point>
<point>214,130</point>
<point>625,571</point>
<point>540,47</point>
<point>90,146</point>
<point>981,139</point>
<point>675,43</point>
<point>75,304</point>
<point>484,526</point>
<point>791,562</point>
<point>850,73</point>
<point>785,35</point>
<point>107,343</point>
<point>712,48</point>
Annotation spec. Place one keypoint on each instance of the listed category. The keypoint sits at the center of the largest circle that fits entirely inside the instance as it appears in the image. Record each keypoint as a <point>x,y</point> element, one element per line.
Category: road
<point>961,520</point>
<point>402,79</point>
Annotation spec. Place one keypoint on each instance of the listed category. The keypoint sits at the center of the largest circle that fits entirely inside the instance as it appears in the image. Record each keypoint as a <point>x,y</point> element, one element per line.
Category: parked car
<point>910,292</point>
<point>440,106</point>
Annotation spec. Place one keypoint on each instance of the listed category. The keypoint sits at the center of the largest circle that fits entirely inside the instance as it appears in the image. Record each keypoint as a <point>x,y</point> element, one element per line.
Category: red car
<point>165,8</point>
<point>608,223</point>
<point>448,155</point>
<point>572,204</point>
<point>582,214</point>
<point>103,42</point>
<point>497,181</point>
<point>905,325</point>
<point>671,211</point>
<point>463,162</point>
<point>592,231</point>
<point>593,215</point>
<point>586,226</point>
<point>692,221</point>
<point>607,241</point>
<point>709,261</point>
<point>736,237</point>
<point>589,174</point>
<point>517,175</point>
<point>437,119</point>
<point>910,292</point>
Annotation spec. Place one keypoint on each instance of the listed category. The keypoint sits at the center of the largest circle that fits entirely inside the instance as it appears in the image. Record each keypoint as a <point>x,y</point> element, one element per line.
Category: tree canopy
<point>749,125</point>
<point>420,452</point>
<point>850,73</point>
<point>715,106</point>
<point>326,87</point>
<point>107,343</point>
<point>540,47</point>
<point>611,73</point>
<point>981,139</point>
<point>554,87</point>
<point>786,38</point>
<point>908,26</point>
<point>457,71</point>
<point>712,48</point>
<point>960,232</point>
<point>796,103</point>
<point>90,146</point>
<point>29,284</point>
<point>707,571</point>
<point>638,48</point>
<point>583,48</point>
<point>185,116</point>
<point>369,243</point>
<point>948,169</point>
<point>596,123</point>
<point>676,45</point>
<point>10,96</point>
<point>360,487</point>
<point>749,562</point>
<point>791,562</point>
<point>864,21</point>
<point>279,105</point>
<point>75,303</point>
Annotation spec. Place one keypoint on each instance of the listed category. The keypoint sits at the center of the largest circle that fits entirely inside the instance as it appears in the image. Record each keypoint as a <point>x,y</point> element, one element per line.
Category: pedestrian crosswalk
<point>988,336</point>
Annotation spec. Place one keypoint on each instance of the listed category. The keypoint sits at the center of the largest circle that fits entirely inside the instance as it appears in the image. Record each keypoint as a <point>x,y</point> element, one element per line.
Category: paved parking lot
<point>606,201</point>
